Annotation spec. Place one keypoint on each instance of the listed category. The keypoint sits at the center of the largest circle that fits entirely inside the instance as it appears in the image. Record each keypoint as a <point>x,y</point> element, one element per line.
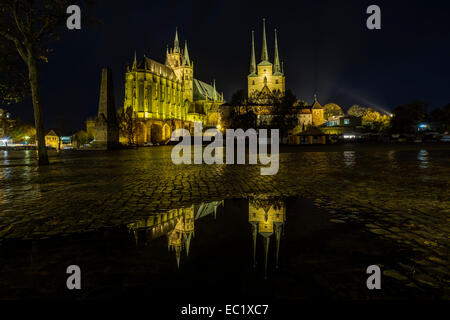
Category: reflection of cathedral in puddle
<point>267,217</point>
<point>178,224</point>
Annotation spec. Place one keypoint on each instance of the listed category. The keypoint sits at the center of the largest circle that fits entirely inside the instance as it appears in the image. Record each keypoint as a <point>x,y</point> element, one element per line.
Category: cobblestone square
<point>397,193</point>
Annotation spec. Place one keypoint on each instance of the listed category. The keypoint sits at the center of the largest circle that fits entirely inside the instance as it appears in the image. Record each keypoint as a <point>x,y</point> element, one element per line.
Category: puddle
<point>269,247</point>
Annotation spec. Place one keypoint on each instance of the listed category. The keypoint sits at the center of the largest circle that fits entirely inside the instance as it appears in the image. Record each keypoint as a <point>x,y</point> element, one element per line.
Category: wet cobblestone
<point>396,192</point>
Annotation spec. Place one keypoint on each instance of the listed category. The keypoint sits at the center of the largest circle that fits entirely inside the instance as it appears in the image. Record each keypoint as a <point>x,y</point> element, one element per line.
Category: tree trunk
<point>38,115</point>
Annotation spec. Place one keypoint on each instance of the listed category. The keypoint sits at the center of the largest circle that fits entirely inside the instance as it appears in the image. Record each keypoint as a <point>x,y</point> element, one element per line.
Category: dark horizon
<point>325,46</point>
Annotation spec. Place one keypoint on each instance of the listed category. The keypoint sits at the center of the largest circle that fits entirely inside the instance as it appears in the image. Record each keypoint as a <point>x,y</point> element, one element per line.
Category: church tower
<point>265,78</point>
<point>267,215</point>
<point>178,60</point>
<point>317,113</point>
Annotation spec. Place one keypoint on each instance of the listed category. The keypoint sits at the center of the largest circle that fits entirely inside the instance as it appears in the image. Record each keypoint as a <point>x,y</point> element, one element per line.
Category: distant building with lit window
<point>51,139</point>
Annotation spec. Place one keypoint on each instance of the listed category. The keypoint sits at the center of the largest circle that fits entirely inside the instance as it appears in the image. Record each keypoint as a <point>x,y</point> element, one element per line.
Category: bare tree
<point>31,25</point>
<point>14,83</point>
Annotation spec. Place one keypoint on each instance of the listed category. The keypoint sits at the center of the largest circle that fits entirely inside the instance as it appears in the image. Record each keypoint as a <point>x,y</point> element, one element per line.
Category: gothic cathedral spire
<point>134,61</point>
<point>167,56</point>
<point>276,62</point>
<point>252,58</point>
<point>176,43</point>
<point>186,54</point>
<point>264,54</point>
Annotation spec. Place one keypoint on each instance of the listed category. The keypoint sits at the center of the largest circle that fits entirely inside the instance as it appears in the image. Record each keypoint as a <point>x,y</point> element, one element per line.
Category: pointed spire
<point>316,104</point>
<point>136,236</point>
<point>252,57</point>
<point>276,63</point>
<point>254,234</point>
<point>176,43</point>
<point>167,55</point>
<point>266,254</point>
<point>134,61</point>
<point>264,54</point>
<point>178,255</point>
<point>214,90</point>
<point>188,243</point>
<point>186,54</point>
<point>278,238</point>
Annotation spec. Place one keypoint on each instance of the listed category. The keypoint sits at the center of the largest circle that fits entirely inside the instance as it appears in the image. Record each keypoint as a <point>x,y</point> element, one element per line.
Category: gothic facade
<point>166,96</point>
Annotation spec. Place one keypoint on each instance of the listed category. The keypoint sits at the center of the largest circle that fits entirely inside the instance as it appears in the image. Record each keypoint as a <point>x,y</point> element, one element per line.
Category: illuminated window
<point>346,121</point>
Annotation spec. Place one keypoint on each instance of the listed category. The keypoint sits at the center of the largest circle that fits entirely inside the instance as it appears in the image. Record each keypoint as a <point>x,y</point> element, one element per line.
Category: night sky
<point>325,46</point>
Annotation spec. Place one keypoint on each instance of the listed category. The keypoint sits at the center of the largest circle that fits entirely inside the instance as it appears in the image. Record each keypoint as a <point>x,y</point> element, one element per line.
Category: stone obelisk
<point>106,126</point>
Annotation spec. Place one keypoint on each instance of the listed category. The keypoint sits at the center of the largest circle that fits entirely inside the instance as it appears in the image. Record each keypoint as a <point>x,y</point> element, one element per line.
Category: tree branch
<point>16,18</point>
<point>18,44</point>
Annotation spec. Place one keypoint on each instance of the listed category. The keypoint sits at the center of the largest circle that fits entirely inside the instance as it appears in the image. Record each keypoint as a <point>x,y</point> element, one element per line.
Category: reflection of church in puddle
<point>267,217</point>
<point>178,224</point>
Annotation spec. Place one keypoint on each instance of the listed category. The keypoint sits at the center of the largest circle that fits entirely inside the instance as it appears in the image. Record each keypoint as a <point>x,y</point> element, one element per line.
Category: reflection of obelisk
<point>106,127</point>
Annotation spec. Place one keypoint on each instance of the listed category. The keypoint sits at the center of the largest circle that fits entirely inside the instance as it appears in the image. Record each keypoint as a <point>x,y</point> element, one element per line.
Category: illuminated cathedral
<point>166,96</point>
<point>265,79</point>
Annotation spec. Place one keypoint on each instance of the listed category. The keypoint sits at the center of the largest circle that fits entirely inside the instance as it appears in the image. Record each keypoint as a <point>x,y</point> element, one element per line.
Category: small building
<point>312,135</point>
<point>66,142</point>
<point>304,118</point>
<point>51,139</point>
<point>343,121</point>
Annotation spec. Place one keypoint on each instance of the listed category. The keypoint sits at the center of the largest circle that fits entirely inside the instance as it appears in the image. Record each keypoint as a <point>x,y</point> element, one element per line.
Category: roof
<point>311,131</point>
<point>206,208</point>
<point>157,67</point>
<point>265,92</point>
<point>59,132</point>
<point>203,91</point>
<point>316,105</point>
<point>50,132</point>
<point>264,63</point>
<point>304,111</point>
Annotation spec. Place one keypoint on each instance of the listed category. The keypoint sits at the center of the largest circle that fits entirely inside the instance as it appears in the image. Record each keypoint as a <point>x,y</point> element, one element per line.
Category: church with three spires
<point>267,80</point>
<point>167,96</point>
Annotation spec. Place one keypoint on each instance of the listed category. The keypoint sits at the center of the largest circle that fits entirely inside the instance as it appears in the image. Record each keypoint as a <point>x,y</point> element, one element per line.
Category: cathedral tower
<point>265,78</point>
<point>317,113</point>
<point>178,60</point>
